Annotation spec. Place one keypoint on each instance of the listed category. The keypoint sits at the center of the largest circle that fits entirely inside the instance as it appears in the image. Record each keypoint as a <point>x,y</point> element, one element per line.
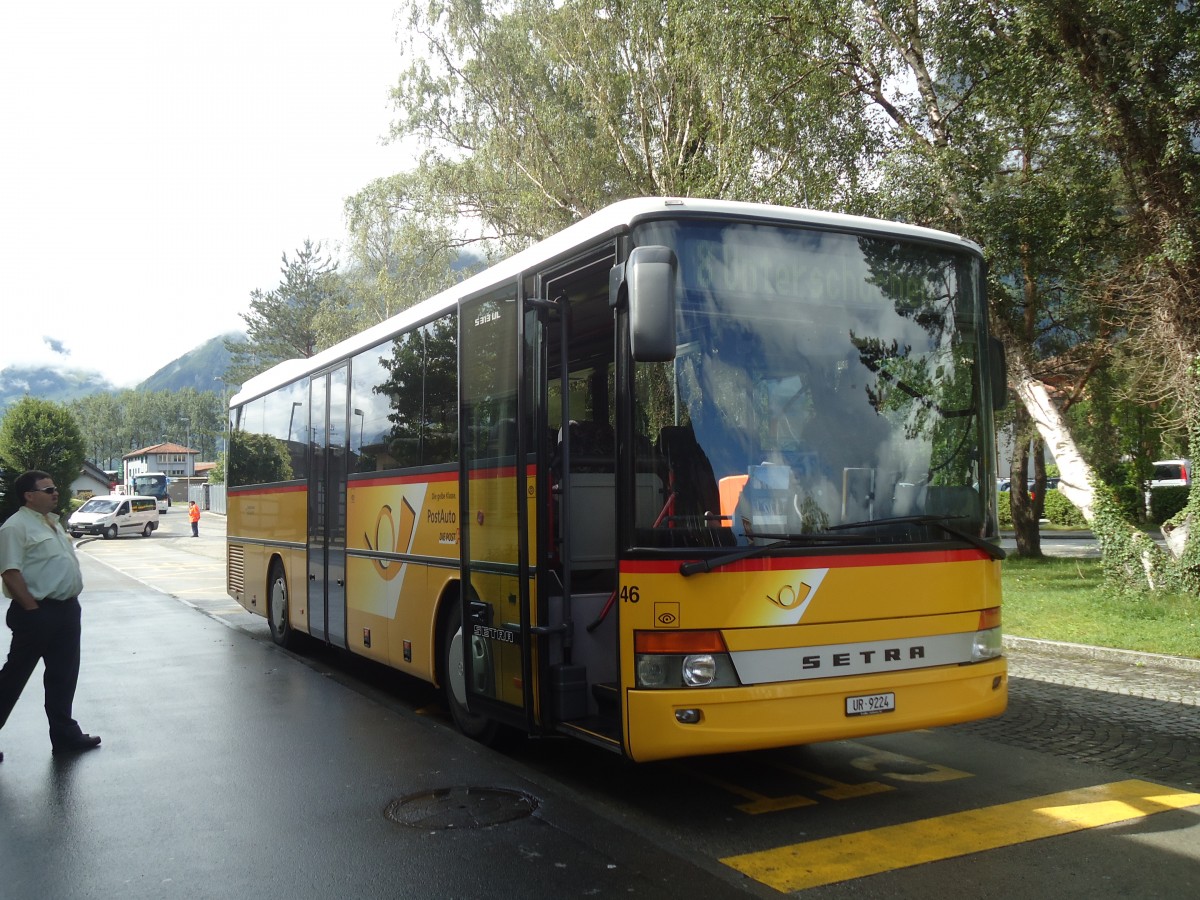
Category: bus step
<point>606,696</point>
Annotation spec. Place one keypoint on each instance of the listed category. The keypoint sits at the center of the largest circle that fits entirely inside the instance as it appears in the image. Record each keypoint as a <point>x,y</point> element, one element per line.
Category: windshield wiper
<point>942,522</point>
<point>789,540</point>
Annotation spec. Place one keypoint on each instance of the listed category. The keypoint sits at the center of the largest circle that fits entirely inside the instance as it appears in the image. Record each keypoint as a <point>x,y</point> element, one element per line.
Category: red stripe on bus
<point>849,561</point>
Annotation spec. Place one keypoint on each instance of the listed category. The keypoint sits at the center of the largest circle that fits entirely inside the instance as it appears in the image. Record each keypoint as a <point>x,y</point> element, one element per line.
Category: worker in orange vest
<point>194,517</point>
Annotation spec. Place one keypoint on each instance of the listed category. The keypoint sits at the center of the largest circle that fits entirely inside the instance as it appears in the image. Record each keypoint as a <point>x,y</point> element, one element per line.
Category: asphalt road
<point>231,768</point>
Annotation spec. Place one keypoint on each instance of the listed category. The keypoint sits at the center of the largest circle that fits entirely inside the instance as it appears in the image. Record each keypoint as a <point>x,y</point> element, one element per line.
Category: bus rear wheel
<point>282,632</point>
<point>454,683</point>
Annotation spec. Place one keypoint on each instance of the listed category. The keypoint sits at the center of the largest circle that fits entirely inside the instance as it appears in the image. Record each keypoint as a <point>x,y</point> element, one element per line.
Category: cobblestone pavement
<point>1133,712</point>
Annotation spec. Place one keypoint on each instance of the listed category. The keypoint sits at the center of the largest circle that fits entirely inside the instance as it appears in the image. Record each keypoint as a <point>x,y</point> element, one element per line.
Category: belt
<point>58,599</point>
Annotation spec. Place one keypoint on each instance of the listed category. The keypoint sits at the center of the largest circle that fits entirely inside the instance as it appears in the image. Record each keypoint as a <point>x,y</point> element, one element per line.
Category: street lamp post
<point>224,414</point>
<point>188,468</point>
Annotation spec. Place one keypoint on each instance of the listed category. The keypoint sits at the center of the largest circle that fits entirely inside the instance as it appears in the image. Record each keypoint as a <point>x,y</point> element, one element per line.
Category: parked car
<point>1171,473</point>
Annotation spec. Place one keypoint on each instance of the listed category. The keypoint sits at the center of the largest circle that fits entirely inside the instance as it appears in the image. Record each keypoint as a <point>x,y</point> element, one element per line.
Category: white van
<point>115,515</point>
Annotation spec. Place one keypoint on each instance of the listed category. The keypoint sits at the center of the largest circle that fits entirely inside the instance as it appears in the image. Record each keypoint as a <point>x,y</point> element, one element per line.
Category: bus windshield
<point>826,387</point>
<point>150,485</point>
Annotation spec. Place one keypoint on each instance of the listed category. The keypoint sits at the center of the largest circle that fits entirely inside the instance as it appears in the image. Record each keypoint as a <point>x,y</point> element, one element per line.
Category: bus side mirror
<point>649,278</point>
<point>998,368</point>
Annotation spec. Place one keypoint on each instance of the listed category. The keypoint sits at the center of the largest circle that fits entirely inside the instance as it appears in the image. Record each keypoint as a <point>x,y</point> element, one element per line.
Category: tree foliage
<point>402,254</point>
<point>38,434</point>
<point>112,425</point>
<point>257,459</point>
<point>286,322</point>
<point>537,113</point>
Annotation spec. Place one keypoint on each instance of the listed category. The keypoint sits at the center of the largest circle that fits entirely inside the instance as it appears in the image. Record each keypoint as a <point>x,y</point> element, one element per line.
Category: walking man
<point>42,578</point>
<point>194,517</point>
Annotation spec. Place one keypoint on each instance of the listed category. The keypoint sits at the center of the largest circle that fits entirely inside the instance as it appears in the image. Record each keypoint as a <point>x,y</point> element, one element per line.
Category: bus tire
<point>110,532</point>
<point>282,632</point>
<point>479,728</point>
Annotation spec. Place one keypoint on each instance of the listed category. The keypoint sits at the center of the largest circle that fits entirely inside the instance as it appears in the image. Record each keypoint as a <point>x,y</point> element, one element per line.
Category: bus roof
<point>610,221</point>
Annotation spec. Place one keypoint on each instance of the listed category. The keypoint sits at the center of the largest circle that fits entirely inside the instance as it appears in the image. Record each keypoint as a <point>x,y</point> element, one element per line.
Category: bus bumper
<point>730,720</point>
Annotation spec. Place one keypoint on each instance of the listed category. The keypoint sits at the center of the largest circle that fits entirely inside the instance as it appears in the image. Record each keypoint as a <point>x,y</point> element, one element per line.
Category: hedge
<point>1166,502</point>
<point>1057,509</point>
<point>1061,511</point>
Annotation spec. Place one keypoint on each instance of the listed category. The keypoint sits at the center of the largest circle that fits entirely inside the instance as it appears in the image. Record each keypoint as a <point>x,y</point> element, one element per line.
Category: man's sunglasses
<point>49,490</point>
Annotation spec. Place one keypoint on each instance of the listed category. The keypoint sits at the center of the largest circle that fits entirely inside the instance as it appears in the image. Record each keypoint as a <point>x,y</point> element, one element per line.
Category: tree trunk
<point>1024,514</point>
<point>1075,475</point>
<point>1124,547</point>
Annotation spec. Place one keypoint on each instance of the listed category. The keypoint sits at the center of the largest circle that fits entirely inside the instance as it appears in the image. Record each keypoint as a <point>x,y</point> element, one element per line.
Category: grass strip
<point>1063,599</point>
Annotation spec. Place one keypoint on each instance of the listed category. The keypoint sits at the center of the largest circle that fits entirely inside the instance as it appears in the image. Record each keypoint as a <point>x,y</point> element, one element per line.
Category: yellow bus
<point>689,477</point>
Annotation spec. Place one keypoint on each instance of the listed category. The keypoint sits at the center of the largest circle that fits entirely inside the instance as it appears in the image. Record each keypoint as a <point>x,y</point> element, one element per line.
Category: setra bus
<point>153,484</point>
<point>688,477</point>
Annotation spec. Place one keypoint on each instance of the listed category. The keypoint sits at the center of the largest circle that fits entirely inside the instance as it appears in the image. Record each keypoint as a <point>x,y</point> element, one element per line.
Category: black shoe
<point>79,744</point>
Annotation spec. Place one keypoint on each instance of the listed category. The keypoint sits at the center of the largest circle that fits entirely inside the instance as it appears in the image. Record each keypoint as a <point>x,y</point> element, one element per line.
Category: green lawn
<point>1060,599</point>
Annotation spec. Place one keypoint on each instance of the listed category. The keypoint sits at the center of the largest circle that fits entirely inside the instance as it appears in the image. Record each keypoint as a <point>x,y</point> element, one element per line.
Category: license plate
<point>870,704</point>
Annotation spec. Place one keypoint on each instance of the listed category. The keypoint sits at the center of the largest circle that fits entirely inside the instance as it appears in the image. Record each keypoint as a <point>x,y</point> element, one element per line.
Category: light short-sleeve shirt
<point>39,548</point>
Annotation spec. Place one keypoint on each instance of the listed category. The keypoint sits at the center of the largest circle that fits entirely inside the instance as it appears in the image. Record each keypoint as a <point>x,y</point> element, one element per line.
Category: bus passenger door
<point>327,508</point>
<point>496,619</point>
<point>578,531</point>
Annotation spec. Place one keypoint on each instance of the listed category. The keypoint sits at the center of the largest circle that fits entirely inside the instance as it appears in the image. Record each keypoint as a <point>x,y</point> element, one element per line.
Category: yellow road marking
<point>844,857</point>
<point>758,803</point>
<point>837,790</point>
<point>878,760</point>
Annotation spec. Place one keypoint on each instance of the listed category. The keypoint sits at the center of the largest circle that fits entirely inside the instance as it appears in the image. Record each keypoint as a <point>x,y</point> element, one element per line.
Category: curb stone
<point>1085,651</point>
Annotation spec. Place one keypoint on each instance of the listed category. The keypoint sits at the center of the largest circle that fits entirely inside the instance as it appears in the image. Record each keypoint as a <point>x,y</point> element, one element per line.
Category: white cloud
<point>159,159</point>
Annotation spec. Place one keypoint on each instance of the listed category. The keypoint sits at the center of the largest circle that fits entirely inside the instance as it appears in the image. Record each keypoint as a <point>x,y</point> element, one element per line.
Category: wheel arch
<point>450,595</point>
<point>277,558</point>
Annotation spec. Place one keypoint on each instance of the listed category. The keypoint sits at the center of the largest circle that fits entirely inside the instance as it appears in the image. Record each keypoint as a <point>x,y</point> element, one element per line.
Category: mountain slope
<point>200,368</point>
<point>48,383</point>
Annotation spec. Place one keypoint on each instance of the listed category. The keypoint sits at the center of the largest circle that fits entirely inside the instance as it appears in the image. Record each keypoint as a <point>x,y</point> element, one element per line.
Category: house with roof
<point>173,460</point>
<point>92,481</point>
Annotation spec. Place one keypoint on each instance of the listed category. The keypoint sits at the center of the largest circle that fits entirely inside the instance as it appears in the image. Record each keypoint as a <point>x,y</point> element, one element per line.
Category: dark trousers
<point>195,529</point>
<point>51,634</point>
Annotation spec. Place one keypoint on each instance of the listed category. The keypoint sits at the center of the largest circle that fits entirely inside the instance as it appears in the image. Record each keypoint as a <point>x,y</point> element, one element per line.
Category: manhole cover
<point>460,807</point>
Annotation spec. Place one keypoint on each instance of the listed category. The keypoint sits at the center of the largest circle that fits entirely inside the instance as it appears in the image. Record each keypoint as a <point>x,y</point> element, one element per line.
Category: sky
<point>159,158</point>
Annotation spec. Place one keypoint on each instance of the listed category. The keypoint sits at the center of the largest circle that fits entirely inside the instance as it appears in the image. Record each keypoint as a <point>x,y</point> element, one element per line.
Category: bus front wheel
<point>454,682</point>
<point>277,608</point>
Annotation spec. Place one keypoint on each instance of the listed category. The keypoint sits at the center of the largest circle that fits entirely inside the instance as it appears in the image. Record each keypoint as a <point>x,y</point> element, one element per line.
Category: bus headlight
<point>987,643</point>
<point>652,671</point>
<point>682,659</point>
<point>699,670</point>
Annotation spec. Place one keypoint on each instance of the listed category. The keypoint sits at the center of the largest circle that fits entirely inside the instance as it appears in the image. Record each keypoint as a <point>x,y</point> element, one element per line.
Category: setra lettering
<point>843,659</point>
